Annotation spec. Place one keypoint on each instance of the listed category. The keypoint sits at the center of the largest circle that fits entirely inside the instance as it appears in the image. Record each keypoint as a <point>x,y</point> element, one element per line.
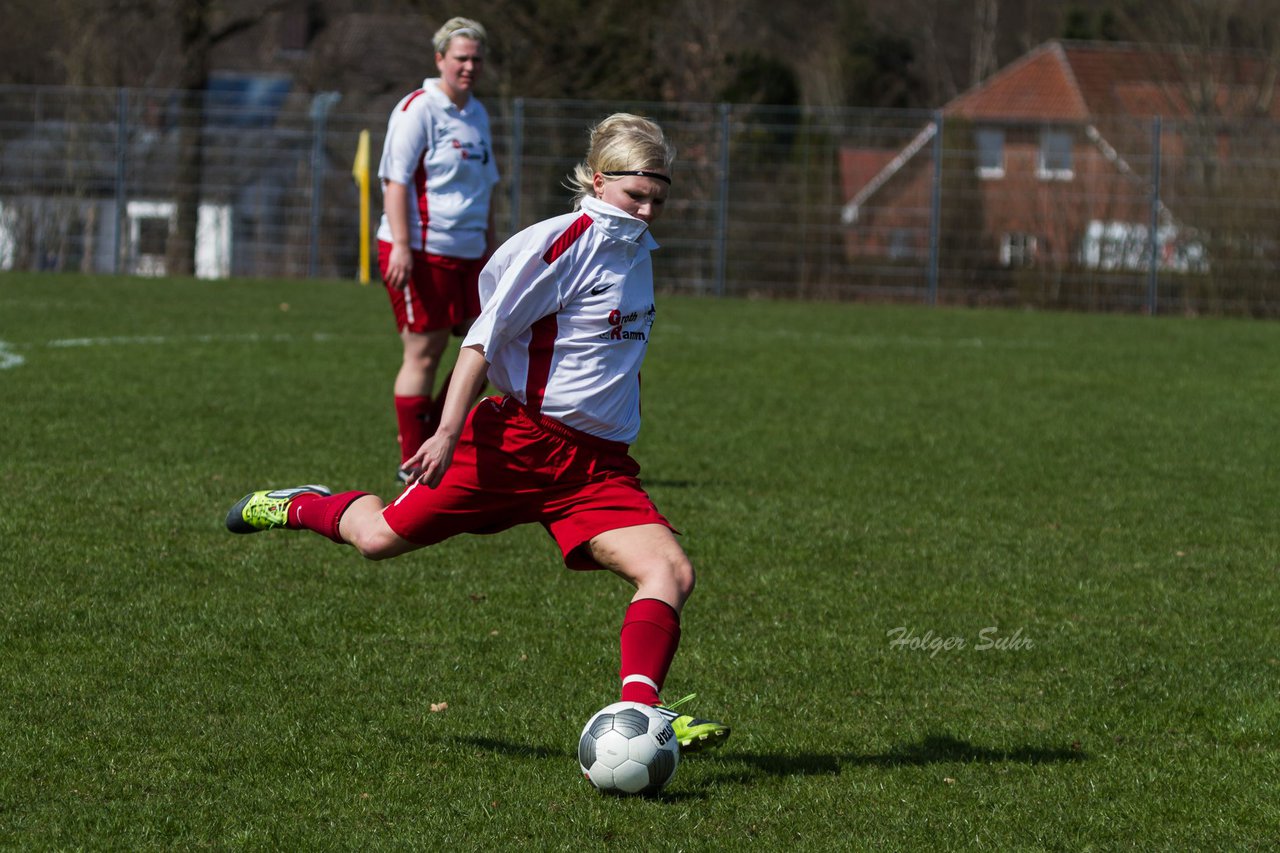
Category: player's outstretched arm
<point>428,465</point>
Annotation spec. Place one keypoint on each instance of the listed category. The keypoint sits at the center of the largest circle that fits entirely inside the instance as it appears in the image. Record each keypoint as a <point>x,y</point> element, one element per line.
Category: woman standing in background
<point>437,228</point>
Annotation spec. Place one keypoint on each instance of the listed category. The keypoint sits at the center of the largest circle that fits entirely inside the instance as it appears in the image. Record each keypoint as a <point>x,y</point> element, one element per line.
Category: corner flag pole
<point>360,171</point>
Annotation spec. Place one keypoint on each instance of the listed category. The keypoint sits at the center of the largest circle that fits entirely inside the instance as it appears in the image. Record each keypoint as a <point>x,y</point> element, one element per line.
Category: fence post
<point>122,148</point>
<point>516,156</point>
<point>935,209</point>
<point>321,104</point>
<point>722,207</point>
<point>1153,268</point>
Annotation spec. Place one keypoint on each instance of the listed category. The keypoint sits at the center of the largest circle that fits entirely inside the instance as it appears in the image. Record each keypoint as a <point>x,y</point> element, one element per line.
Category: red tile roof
<point>1074,81</point>
<point>1082,82</point>
<point>1040,86</point>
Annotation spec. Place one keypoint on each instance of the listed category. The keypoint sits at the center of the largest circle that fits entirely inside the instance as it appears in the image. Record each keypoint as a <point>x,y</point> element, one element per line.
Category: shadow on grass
<point>933,749</point>
<point>518,750</point>
<point>673,484</point>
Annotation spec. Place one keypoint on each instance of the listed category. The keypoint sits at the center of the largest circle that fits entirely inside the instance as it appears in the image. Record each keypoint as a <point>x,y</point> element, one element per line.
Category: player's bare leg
<point>420,361</point>
<point>648,557</point>
<point>363,527</point>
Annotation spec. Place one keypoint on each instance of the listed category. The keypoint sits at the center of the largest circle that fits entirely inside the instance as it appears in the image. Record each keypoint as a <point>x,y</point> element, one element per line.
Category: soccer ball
<point>628,748</point>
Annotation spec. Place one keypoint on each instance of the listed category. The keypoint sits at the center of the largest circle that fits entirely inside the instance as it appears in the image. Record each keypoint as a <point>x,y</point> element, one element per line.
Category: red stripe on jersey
<point>410,99</point>
<point>420,188</point>
<point>541,346</point>
<point>543,342</point>
<point>565,240</point>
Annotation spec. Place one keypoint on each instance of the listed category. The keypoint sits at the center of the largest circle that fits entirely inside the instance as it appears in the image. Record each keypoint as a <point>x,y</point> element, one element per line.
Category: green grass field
<point>1067,523</point>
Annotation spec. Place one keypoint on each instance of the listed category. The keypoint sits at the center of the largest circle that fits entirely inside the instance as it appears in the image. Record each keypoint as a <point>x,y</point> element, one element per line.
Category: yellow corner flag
<point>360,171</point>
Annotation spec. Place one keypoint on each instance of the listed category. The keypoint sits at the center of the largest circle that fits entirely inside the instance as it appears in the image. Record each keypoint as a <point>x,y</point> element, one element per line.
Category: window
<point>900,248</point>
<point>151,224</point>
<point>990,142</point>
<point>153,235</point>
<point>1055,156</point>
<point>1018,250</point>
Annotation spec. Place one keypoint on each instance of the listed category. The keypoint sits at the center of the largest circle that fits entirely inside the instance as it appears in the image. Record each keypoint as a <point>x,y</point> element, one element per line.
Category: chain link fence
<point>1154,215</point>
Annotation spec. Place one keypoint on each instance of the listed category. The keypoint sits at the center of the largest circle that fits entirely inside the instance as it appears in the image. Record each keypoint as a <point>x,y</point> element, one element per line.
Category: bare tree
<point>202,25</point>
<point>702,34</point>
<point>982,52</point>
<point>1226,55</point>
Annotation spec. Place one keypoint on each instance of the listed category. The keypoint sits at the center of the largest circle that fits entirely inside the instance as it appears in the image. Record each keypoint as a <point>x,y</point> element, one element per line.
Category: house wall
<point>1056,210</point>
<point>979,211</point>
<point>895,223</point>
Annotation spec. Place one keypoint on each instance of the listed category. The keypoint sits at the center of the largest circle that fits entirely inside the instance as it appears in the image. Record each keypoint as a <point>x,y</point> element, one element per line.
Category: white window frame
<point>994,137</point>
<point>213,237</point>
<point>1018,249</point>
<point>1047,171</point>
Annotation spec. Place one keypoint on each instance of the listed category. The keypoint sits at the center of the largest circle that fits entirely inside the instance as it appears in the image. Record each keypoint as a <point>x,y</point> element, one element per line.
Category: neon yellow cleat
<point>267,509</point>
<point>694,734</point>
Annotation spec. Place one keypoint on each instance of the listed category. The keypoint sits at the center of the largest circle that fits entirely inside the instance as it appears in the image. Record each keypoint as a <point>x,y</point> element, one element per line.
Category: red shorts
<point>442,291</point>
<point>513,467</point>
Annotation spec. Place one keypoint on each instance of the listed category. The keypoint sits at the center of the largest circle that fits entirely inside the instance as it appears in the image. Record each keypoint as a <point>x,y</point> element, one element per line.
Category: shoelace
<point>679,702</point>
<point>670,712</point>
<point>268,512</point>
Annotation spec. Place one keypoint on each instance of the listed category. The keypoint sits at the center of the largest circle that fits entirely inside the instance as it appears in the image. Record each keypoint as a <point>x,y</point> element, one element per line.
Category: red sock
<point>413,417</point>
<point>650,637</point>
<point>309,511</point>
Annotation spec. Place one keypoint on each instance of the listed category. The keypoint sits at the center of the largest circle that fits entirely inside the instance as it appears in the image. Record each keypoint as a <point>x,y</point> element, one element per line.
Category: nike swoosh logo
<point>601,288</point>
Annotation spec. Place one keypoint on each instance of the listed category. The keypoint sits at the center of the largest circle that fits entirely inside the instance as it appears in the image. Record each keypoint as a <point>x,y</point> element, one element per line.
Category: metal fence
<point>1113,214</point>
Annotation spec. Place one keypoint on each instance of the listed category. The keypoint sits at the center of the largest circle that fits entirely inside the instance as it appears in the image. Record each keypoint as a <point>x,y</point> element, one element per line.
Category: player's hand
<point>428,465</point>
<point>399,267</point>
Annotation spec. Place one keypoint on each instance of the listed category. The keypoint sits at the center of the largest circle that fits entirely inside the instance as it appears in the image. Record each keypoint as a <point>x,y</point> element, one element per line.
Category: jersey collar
<point>431,86</point>
<point>617,223</point>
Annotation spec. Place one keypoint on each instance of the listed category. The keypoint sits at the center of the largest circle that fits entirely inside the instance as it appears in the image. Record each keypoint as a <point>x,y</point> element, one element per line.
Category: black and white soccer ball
<point>628,748</point>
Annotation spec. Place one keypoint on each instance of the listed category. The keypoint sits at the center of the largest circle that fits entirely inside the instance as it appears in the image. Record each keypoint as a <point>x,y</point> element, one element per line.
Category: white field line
<point>9,358</point>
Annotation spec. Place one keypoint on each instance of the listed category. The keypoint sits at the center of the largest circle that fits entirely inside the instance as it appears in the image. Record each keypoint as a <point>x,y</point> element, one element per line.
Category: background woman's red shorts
<point>442,291</point>
<point>513,467</point>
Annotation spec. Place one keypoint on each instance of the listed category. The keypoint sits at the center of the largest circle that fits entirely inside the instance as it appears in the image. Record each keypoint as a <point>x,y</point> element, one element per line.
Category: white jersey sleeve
<point>517,289</point>
<point>408,136</point>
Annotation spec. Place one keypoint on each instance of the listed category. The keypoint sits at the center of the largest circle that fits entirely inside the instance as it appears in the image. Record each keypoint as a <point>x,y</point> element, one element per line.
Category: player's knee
<point>680,576</point>
<point>421,361</point>
<point>425,350</point>
<point>376,544</point>
<point>686,578</point>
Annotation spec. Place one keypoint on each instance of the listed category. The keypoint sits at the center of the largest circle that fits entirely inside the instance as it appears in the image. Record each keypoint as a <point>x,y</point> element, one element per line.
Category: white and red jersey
<point>444,155</point>
<point>567,310</point>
